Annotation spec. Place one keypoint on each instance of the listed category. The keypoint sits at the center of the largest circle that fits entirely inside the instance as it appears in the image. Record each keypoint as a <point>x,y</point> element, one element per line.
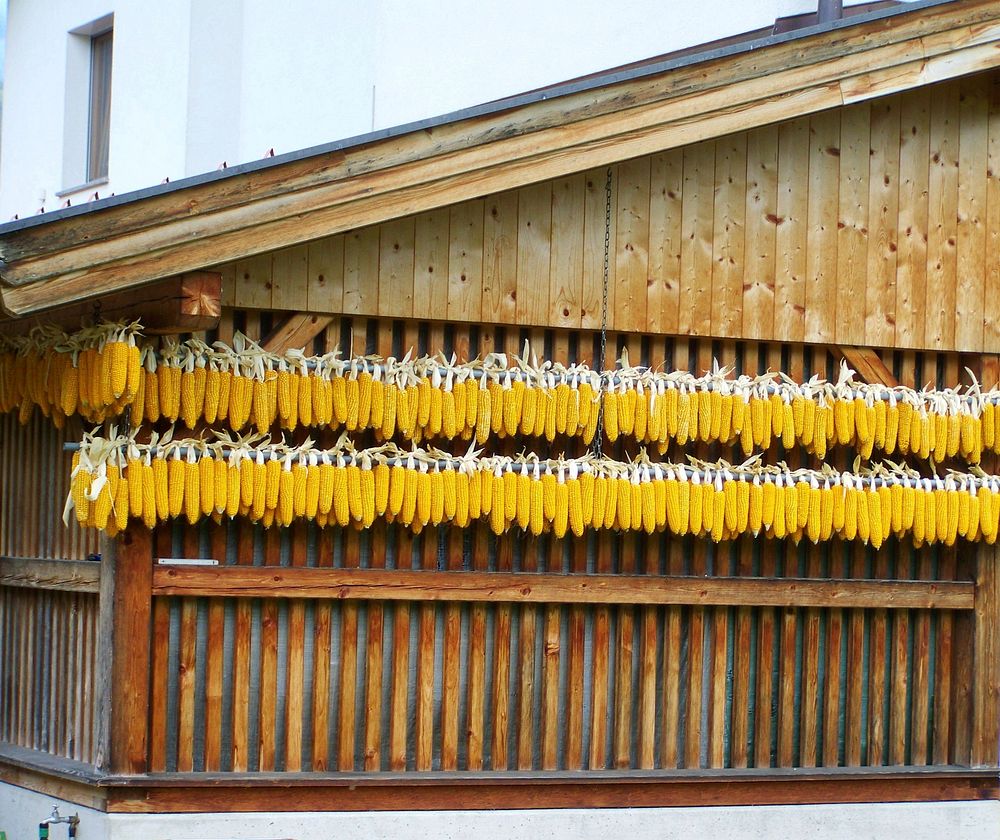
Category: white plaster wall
<point>21,810</point>
<point>198,82</point>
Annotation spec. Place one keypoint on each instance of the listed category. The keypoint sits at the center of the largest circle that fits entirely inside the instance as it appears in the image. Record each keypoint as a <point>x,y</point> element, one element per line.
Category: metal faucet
<point>72,822</point>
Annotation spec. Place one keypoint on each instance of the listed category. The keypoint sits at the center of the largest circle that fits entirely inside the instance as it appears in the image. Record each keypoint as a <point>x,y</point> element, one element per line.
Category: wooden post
<point>986,682</point>
<point>132,608</point>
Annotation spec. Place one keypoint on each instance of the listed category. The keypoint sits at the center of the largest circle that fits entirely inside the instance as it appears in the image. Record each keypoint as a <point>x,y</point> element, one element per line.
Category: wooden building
<point>779,206</point>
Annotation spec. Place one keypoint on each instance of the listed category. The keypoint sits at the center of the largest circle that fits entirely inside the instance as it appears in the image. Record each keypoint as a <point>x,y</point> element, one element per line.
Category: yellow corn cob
<point>161,484</point>
<point>682,424</point>
<point>225,387</point>
<point>586,481</point>
<point>987,421</point>
<point>623,504</point>
<point>299,482</point>
<point>436,510</point>
<point>424,496</point>
<point>326,487</point>
<point>600,502</point>
<point>671,399</point>
<point>272,482</point>
<point>807,435</point>
<point>838,494</point>
<point>397,485</point>
<point>864,518</point>
<point>941,513</point>
<point>962,526</point>
<point>814,501</point>
<point>626,411</point>
<point>436,416</point>
<point>826,503</point>
<point>850,529</point>
<point>461,481</point>
<point>755,506</point>
<point>449,421</point>
<point>909,508</point>
<point>731,516</point>
<point>523,502</point>
<point>206,484</point>
<point>483,414</point>
<point>549,419</point>
<point>498,517</point>
<point>611,402</point>
<point>704,416</point>
<point>285,510</point>
<point>381,474</point>
<point>891,426</point>
<point>133,472</point>
<point>897,503</point>
<point>449,487</point>
<point>560,522</point>
<point>233,488</point>
<point>284,396</point>
<point>930,515</point>
<point>792,506</point>
<point>548,481</point>
<point>695,512</point>
<point>769,504</point>
<point>121,504</point>
<point>191,488</point>
<point>354,492</point>
<point>148,483</point>
<point>659,486</point>
<point>175,486</point>
<point>341,501</point>
<point>876,532</point>
<point>611,503</point>
<point>779,528</point>
<point>475,495</point>
<point>918,527</point>
<point>974,515</point>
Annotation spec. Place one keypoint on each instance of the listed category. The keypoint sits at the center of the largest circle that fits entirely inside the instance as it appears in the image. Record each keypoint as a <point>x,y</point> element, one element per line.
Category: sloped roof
<point>136,238</point>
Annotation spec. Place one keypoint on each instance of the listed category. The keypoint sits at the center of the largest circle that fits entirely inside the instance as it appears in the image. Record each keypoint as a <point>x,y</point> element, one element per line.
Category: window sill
<point>89,185</point>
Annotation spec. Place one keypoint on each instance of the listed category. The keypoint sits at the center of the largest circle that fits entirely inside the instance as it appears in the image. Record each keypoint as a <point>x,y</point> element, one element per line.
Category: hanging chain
<point>598,444</point>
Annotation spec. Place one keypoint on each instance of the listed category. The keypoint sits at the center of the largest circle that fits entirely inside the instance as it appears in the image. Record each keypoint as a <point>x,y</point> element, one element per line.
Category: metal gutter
<point>485,109</point>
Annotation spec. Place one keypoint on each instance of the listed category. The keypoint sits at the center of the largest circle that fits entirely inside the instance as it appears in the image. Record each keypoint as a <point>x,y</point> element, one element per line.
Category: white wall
<point>21,810</point>
<point>198,82</point>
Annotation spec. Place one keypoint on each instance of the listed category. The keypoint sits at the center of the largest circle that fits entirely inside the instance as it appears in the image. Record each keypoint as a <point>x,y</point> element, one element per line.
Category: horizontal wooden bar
<point>65,575</point>
<point>61,778</point>
<point>393,585</point>
<point>454,791</point>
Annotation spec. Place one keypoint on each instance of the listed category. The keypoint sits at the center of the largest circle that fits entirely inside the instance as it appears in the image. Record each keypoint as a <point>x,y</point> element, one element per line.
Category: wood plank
<point>534,242</point>
<point>883,203</point>
<point>598,232</point>
<point>395,282</point>
<point>696,240</point>
<point>991,304</point>
<point>728,234</point>
<point>290,278</point>
<point>465,262</point>
<point>791,247</point>
<point>325,290</point>
<point>501,683</point>
<point>631,245</point>
<point>186,722</point>
<point>500,256</point>
<point>348,686</point>
<point>665,211</point>
<point>852,234</point>
<point>823,219</point>
<point>868,365</point>
<point>566,259</point>
<point>762,222</point>
<point>361,254</point>
<point>400,685</point>
<point>939,321</point>
<point>393,584</point>
<point>131,651</point>
<point>253,282</point>
<point>60,575</point>
<point>970,294</point>
<point>430,263</point>
<point>322,614</point>
<point>912,230</point>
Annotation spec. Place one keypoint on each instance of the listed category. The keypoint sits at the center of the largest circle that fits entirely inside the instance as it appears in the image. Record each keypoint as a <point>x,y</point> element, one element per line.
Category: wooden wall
<point>876,223</point>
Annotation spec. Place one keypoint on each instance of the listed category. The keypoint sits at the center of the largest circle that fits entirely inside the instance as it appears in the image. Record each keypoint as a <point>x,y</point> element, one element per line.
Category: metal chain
<point>598,443</point>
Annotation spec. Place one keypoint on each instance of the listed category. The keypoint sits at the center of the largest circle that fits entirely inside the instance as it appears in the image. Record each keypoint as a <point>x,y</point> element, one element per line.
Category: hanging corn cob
<point>94,372</point>
<point>279,484</point>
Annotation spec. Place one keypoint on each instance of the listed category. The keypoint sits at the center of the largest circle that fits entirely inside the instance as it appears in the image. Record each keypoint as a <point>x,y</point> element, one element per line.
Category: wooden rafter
<point>868,365</point>
<point>296,331</point>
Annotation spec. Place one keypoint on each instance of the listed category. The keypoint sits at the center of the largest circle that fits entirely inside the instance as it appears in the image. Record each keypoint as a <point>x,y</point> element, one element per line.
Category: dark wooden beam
<point>506,790</point>
<point>394,585</point>
<point>63,575</point>
<point>184,303</point>
<point>131,650</point>
<point>296,331</point>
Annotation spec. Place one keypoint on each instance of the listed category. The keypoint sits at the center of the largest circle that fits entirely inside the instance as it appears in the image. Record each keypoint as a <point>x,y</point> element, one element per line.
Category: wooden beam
<point>296,331</point>
<point>868,365</point>
<point>394,585</point>
<point>184,303</point>
<point>506,790</point>
<point>63,575</point>
<point>131,650</point>
<point>986,661</point>
<point>347,188</point>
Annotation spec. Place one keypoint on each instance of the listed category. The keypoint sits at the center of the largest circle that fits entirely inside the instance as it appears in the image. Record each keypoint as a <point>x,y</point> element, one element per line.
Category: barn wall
<point>875,224</point>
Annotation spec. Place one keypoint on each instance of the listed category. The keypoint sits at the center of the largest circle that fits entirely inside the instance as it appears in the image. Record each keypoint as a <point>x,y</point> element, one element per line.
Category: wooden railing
<point>49,657</point>
<point>391,655</point>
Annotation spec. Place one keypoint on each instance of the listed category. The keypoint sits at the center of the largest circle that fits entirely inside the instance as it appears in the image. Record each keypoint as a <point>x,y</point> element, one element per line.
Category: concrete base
<point>21,811</point>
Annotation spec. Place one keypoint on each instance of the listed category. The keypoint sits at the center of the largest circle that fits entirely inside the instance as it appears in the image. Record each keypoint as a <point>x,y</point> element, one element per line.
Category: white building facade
<point>198,83</point>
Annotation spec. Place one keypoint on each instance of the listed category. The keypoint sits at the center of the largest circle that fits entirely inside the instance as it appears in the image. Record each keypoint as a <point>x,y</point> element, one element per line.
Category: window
<point>87,116</point>
<point>99,115</point>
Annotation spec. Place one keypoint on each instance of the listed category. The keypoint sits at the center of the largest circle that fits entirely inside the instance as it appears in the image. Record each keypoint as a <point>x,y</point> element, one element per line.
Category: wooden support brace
<point>868,365</point>
<point>296,331</point>
<point>132,612</point>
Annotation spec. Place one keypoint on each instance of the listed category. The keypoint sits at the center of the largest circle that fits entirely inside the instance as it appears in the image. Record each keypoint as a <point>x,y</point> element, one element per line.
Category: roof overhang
<point>132,240</point>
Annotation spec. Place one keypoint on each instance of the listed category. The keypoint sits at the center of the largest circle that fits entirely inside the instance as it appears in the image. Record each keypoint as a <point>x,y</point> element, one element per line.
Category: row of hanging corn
<point>115,479</point>
<point>100,371</point>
